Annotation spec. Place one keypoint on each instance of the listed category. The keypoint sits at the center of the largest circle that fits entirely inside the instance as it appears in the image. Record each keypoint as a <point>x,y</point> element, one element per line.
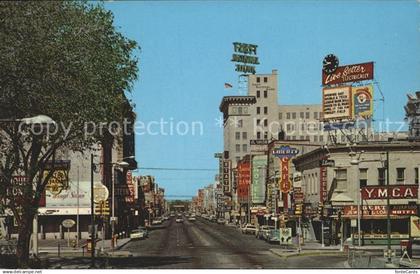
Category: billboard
<point>259,170</point>
<point>68,197</point>
<point>245,57</point>
<point>349,73</point>
<point>337,103</point>
<point>362,102</point>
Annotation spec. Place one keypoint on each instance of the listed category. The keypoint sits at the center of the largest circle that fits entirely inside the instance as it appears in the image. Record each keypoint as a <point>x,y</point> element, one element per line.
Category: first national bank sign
<point>245,57</point>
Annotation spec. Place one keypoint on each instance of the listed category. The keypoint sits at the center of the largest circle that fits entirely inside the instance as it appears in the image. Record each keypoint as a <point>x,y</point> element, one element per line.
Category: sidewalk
<point>53,247</point>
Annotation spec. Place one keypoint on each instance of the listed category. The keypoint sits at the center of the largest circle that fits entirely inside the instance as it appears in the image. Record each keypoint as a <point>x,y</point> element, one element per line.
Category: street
<point>203,244</point>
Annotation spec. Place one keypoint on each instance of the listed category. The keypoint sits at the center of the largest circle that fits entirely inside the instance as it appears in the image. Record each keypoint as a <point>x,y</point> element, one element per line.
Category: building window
<point>238,148</point>
<point>239,110</point>
<point>240,123</point>
<point>341,177</point>
<point>288,127</point>
<point>288,115</point>
<point>258,94</point>
<point>293,137</point>
<point>293,115</point>
<point>258,79</point>
<point>416,175</point>
<point>258,135</point>
<point>315,115</point>
<point>363,176</point>
<point>237,135</point>
<point>265,79</point>
<point>265,122</point>
<point>315,138</point>
<point>280,115</point>
<point>258,122</point>
<point>265,93</point>
<point>400,175</point>
<point>321,138</point>
<point>244,147</point>
<point>307,115</point>
<point>265,135</point>
<point>302,127</point>
<point>258,110</point>
<point>301,115</point>
<point>381,176</point>
<point>265,110</point>
<point>244,135</point>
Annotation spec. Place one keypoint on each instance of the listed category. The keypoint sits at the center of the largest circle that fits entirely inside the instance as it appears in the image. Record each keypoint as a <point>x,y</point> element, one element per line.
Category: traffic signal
<point>102,208</point>
<point>298,209</point>
<point>320,210</point>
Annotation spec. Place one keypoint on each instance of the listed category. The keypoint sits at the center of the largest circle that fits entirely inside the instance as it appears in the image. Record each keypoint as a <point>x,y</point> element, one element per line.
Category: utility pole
<point>388,209</point>
<point>92,213</point>
<point>77,216</point>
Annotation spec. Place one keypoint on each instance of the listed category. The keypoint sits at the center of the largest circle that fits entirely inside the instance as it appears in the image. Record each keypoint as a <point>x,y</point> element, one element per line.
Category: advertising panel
<point>380,210</point>
<point>362,102</point>
<point>337,103</point>
<point>259,170</point>
<point>395,192</point>
<point>349,73</point>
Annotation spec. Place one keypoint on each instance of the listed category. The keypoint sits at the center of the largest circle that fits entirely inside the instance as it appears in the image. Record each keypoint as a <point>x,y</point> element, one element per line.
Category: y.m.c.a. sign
<point>394,192</point>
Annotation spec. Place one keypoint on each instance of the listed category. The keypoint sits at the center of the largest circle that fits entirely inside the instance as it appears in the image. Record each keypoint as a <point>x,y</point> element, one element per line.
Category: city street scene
<point>209,135</point>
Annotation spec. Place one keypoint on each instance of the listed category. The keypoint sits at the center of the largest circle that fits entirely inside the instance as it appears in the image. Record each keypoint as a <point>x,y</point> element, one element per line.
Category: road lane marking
<point>203,241</point>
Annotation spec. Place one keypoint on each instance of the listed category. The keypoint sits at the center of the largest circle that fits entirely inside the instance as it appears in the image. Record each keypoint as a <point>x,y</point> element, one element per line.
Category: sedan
<point>179,220</point>
<point>137,234</point>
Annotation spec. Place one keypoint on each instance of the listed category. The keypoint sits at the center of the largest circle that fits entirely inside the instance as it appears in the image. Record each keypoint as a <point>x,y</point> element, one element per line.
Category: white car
<point>137,234</point>
<point>192,219</point>
<point>179,220</point>
<point>249,229</point>
<point>157,222</point>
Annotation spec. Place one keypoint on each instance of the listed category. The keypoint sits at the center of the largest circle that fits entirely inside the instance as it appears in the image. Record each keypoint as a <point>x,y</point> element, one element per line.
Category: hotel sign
<point>395,192</point>
<point>349,73</point>
<point>244,55</point>
<point>226,176</point>
<point>380,210</point>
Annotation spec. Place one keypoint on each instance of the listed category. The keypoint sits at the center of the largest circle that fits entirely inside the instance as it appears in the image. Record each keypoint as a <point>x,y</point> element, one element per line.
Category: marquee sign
<point>349,73</point>
<point>380,210</point>
<point>395,192</point>
<point>244,55</point>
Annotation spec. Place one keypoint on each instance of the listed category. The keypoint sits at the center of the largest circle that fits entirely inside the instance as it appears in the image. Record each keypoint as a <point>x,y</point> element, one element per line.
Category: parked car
<point>274,236</point>
<point>264,229</point>
<point>166,218</point>
<point>213,218</point>
<point>249,229</point>
<point>137,234</point>
<point>179,220</point>
<point>221,221</point>
<point>192,219</point>
<point>157,222</point>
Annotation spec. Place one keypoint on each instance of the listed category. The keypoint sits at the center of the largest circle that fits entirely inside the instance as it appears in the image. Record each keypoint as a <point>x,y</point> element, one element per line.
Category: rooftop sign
<point>245,54</point>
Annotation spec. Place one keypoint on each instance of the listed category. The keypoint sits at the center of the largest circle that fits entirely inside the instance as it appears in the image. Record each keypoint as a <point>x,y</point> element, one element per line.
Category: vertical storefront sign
<point>259,163</point>
<point>323,184</point>
<point>227,176</point>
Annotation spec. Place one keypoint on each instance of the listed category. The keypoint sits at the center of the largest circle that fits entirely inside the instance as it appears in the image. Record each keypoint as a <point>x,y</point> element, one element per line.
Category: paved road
<point>202,244</point>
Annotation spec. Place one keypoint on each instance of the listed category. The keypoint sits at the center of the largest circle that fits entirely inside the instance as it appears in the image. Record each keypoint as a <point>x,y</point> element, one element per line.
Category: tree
<point>65,60</point>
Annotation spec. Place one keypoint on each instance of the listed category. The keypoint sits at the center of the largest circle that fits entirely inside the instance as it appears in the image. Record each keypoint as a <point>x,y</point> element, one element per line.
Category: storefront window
<point>341,177</point>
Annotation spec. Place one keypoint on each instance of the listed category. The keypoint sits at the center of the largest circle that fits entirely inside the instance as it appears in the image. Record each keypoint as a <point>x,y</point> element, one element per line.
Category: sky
<point>186,48</point>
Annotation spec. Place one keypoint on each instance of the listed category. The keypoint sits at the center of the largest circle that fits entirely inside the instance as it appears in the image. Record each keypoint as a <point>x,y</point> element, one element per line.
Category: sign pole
<point>92,213</point>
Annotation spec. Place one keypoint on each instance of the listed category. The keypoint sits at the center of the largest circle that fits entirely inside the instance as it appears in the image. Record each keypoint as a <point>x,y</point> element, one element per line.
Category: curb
<point>121,246</point>
<point>312,253</point>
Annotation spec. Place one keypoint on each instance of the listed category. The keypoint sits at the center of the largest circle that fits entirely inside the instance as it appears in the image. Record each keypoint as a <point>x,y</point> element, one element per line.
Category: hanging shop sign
<point>337,103</point>
<point>130,185</point>
<point>348,73</point>
<point>395,192</point>
<point>245,57</point>
<point>258,145</point>
<point>285,183</point>
<point>227,164</point>
<point>362,102</point>
<point>259,170</point>
<point>59,180</point>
